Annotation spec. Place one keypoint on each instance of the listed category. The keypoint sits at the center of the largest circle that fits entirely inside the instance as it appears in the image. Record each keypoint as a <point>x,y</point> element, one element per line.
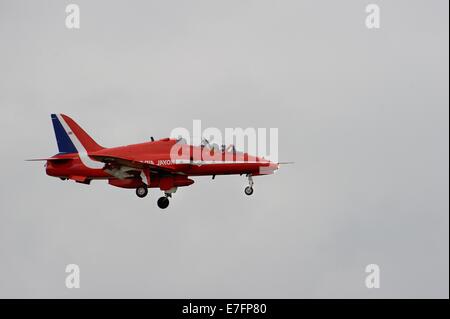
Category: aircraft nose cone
<point>268,168</point>
<point>273,166</point>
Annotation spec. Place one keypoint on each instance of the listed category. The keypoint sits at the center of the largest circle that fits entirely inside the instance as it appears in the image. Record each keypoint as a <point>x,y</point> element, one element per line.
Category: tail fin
<point>70,137</point>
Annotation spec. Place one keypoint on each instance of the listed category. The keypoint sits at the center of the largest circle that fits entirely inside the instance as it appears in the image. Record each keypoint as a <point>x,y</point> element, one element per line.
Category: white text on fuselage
<point>162,162</point>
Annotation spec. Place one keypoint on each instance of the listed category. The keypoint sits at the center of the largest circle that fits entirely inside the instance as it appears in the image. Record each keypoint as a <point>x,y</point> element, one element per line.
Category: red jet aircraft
<point>144,165</point>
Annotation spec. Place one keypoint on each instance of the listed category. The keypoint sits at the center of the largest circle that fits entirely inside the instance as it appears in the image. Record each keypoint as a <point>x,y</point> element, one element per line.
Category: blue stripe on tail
<point>65,145</point>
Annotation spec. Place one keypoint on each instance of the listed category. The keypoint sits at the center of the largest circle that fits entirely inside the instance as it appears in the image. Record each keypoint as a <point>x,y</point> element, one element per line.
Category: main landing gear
<point>141,191</point>
<point>249,189</point>
<point>163,202</point>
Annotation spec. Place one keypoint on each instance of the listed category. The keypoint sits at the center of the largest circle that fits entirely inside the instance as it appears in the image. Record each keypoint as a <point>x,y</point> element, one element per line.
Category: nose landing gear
<point>249,189</point>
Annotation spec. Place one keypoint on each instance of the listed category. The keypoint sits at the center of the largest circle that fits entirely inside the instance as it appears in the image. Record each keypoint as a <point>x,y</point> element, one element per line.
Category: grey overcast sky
<point>363,113</point>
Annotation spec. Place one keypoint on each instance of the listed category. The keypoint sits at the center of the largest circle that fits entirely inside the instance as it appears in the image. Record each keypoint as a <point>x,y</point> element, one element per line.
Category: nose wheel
<point>141,191</point>
<point>163,202</point>
<point>249,189</point>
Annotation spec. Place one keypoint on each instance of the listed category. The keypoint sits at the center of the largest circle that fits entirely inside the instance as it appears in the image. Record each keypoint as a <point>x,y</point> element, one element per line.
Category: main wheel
<point>163,202</point>
<point>141,191</point>
<point>248,190</point>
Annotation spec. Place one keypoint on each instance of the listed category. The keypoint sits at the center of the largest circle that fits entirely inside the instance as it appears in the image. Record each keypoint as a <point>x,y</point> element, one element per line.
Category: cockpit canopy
<point>214,146</point>
<point>208,145</point>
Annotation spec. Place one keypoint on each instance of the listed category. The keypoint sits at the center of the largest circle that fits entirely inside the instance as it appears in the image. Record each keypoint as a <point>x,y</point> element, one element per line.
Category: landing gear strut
<point>249,189</point>
<point>141,191</point>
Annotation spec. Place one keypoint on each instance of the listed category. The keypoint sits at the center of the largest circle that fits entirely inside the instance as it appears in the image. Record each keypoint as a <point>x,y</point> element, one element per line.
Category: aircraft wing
<point>43,159</point>
<point>138,165</point>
